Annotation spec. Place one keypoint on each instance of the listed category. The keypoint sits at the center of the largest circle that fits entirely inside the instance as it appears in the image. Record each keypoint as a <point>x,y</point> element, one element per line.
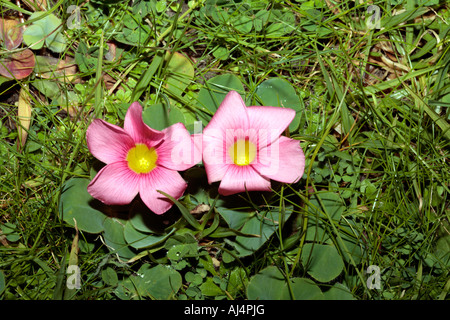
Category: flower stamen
<point>242,152</point>
<point>141,159</point>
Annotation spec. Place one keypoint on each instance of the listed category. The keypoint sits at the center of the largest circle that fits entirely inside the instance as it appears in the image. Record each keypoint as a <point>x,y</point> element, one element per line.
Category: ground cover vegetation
<point>370,87</point>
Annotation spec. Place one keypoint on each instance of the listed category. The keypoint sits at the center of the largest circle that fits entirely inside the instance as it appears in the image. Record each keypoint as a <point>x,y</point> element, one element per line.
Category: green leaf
<point>234,218</point>
<point>253,229</point>
<point>9,230</point>
<point>216,89</point>
<point>209,288</point>
<point>182,250</point>
<point>159,116</point>
<point>160,282</point>
<point>303,289</point>
<point>86,58</point>
<point>237,281</point>
<point>33,36</point>
<point>257,225</point>
<point>322,262</point>
<point>109,276</point>
<point>184,211</point>
<point>338,292</point>
<point>76,203</point>
<point>140,240</point>
<point>56,42</point>
<point>270,284</point>
<point>278,92</point>
<point>115,239</point>
<point>221,53</point>
<point>322,207</point>
<point>442,250</point>
<point>48,88</point>
<point>2,282</point>
<point>49,28</point>
<point>179,73</point>
<point>243,24</point>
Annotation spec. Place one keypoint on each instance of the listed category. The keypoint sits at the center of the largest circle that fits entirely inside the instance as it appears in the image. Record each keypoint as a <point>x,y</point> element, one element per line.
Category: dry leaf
<point>24,115</point>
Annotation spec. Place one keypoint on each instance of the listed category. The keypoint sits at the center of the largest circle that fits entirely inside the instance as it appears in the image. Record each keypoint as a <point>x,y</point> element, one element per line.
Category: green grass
<point>374,128</point>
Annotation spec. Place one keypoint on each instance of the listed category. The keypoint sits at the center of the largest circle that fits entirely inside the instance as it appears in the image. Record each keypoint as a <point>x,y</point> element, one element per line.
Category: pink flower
<point>140,160</point>
<point>243,147</point>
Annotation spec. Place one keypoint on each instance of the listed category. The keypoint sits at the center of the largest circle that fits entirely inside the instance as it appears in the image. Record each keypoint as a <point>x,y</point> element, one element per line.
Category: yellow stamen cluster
<point>242,152</point>
<point>141,159</point>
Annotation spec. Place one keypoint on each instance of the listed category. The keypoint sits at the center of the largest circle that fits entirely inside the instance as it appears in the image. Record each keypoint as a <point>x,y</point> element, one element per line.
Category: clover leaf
<point>47,27</point>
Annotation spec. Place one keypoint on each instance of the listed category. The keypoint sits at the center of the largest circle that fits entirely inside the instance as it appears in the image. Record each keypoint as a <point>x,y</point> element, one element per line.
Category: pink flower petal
<point>215,158</point>
<point>240,178</point>
<point>282,161</point>
<point>115,184</point>
<point>107,142</point>
<point>163,179</point>
<point>178,150</point>
<point>230,115</point>
<point>269,122</point>
<point>138,130</point>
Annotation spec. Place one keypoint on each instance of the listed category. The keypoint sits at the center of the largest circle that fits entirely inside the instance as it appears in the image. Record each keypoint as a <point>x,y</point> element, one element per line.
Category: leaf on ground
<point>322,262</point>
<point>48,67</point>
<point>76,203</point>
<point>24,115</point>
<point>278,92</point>
<point>10,33</point>
<point>179,73</point>
<point>18,65</point>
<point>271,284</point>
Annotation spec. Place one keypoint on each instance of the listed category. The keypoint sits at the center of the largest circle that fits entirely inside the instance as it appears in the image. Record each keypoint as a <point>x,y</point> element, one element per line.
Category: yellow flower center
<point>141,159</point>
<point>243,152</point>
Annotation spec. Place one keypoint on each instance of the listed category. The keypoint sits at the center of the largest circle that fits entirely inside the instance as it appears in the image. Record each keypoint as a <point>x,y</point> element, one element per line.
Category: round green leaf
<point>180,73</point>
<point>442,250</point>
<point>338,292</point>
<point>323,205</point>
<point>209,288</point>
<point>115,240</point>
<point>234,218</point>
<point>159,116</point>
<point>160,282</point>
<point>243,24</point>
<point>270,284</point>
<point>266,285</point>
<point>144,220</point>
<point>47,87</point>
<point>109,276</point>
<point>56,42</point>
<point>262,225</point>
<point>221,53</point>
<point>216,89</point>
<point>303,289</point>
<point>322,262</point>
<point>77,204</point>
<point>278,92</point>
<point>9,230</point>
<point>138,239</point>
<point>46,26</point>
<point>33,37</point>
